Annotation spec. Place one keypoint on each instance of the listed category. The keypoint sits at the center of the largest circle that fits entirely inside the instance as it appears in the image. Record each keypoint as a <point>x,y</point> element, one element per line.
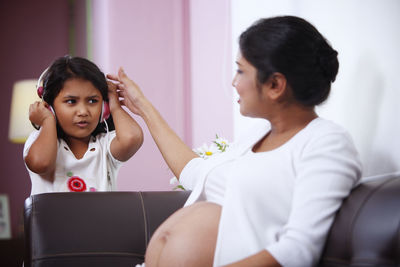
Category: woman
<point>271,199</point>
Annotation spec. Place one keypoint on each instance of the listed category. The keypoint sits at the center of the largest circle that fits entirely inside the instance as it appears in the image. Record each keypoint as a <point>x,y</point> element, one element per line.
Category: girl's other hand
<point>39,112</point>
<point>129,92</point>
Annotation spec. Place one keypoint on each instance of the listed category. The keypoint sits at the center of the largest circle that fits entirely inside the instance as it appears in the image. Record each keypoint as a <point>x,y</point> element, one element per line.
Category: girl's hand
<point>113,96</point>
<point>39,112</point>
<point>129,92</point>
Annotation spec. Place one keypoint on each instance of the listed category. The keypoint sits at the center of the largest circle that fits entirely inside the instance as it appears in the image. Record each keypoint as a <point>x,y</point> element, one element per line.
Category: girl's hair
<point>293,47</point>
<point>66,68</point>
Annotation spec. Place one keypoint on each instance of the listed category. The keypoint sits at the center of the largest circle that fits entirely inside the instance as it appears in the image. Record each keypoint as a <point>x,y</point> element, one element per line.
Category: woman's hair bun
<point>328,61</point>
<point>294,47</point>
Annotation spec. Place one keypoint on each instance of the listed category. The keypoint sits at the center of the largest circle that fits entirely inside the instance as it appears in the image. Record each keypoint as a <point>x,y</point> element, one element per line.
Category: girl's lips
<point>82,124</point>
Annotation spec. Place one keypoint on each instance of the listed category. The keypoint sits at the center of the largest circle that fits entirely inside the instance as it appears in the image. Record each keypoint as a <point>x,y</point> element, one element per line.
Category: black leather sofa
<point>113,228</point>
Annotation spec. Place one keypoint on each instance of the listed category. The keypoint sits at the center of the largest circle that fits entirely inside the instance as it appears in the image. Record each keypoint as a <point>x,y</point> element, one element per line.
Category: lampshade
<point>24,94</point>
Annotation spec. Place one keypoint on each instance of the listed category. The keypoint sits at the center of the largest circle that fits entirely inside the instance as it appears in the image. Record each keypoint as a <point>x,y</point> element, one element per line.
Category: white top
<point>283,200</point>
<point>214,187</point>
<point>97,170</point>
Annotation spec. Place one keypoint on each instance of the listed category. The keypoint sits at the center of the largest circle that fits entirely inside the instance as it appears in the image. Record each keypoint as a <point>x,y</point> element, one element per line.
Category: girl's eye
<point>92,101</point>
<point>70,101</point>
<point>239,71</point>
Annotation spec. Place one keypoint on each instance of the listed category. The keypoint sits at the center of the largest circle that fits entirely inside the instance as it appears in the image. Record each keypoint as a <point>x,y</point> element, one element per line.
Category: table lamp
<point>24,94</point>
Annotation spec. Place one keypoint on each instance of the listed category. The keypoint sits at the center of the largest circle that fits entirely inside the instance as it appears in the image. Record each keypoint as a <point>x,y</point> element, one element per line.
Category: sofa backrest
<point>366,230</point>
<point>94,228</point>
<point>114,228</point>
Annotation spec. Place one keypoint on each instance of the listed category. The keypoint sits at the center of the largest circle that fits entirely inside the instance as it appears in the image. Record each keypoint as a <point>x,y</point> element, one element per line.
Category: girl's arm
<point>129,135</point>
<point>42,154</point>
<point>175,152</point>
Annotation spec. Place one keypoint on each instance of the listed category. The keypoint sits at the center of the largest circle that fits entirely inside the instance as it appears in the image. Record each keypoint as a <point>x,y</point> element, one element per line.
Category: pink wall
<point>211,68</point>
<point>146,38</point>
<point>33,34</point>
<point>175,50</point>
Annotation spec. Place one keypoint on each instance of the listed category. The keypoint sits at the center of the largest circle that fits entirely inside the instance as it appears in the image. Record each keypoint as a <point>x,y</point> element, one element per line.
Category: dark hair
<point>66,68</point>
<point>293,47</point>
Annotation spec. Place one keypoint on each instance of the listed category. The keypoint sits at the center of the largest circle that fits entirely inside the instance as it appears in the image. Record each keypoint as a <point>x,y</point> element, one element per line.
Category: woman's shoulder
<point>323,127</point>
<point>324,133</point>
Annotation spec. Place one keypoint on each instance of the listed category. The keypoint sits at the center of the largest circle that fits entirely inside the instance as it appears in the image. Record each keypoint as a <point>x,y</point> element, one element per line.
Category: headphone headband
<point>105,109</point>
<point>39,87</point>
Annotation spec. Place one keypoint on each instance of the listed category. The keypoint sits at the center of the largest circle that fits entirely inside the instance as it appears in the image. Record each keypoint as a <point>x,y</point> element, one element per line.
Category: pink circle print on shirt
<point>76,184</point>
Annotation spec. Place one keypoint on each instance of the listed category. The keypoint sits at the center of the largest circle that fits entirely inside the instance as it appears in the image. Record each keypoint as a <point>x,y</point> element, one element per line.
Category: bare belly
<point>187,238</point>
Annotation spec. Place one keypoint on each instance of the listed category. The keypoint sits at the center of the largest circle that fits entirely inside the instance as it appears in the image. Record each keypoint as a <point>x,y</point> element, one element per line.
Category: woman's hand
<point>129,91</point>
<point>129,135</point>
<point>39,112</point>
<point>172,148</point>
<point>260,259</point>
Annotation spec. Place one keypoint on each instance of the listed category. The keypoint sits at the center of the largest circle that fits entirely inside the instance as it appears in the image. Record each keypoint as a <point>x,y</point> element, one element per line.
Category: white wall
<point>364,98</point>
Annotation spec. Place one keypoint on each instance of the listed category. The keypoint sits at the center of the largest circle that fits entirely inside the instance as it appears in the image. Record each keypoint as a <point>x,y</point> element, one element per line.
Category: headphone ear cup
<point>105,112</point>
<point>39,86</point>
<point>40,91</point>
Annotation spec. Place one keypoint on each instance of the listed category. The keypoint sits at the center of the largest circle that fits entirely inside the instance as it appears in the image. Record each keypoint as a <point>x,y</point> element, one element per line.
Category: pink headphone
<point>105,109</point>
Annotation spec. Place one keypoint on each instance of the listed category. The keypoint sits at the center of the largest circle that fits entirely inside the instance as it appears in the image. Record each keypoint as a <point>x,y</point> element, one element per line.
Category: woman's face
<point>78,107</point>
<point>245,82</point>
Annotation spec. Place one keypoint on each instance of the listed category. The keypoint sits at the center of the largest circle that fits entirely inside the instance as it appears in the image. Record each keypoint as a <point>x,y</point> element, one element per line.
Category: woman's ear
<point>276,86</point>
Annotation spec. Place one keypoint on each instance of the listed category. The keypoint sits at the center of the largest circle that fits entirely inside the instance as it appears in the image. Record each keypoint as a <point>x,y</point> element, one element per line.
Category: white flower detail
<point>173,181</point>
<point>206,151</point>
<point>219,145</point>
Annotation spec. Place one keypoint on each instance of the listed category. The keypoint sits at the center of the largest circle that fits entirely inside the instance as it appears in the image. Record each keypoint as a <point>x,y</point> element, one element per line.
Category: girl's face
<point>78,107</point>
<point>245,82</point>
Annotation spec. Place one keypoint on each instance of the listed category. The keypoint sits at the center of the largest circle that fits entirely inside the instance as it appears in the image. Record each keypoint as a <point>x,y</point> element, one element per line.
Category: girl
<point>75,148</point>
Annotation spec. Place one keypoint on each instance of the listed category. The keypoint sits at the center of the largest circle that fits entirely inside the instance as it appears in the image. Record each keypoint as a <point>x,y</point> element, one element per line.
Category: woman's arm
<point>42,154</point>
<point>128,134</point>
<point>327,168</point>
<point>261,259</point>
<point>175,152</point>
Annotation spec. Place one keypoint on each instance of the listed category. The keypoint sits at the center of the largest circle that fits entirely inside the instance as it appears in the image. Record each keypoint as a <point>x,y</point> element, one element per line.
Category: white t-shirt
<point>283,200</point>
<point>214,186</point>
<point>97,170</point>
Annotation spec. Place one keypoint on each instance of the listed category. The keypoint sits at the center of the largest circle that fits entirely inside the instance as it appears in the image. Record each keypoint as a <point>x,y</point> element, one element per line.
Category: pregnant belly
<point>187,238</point>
